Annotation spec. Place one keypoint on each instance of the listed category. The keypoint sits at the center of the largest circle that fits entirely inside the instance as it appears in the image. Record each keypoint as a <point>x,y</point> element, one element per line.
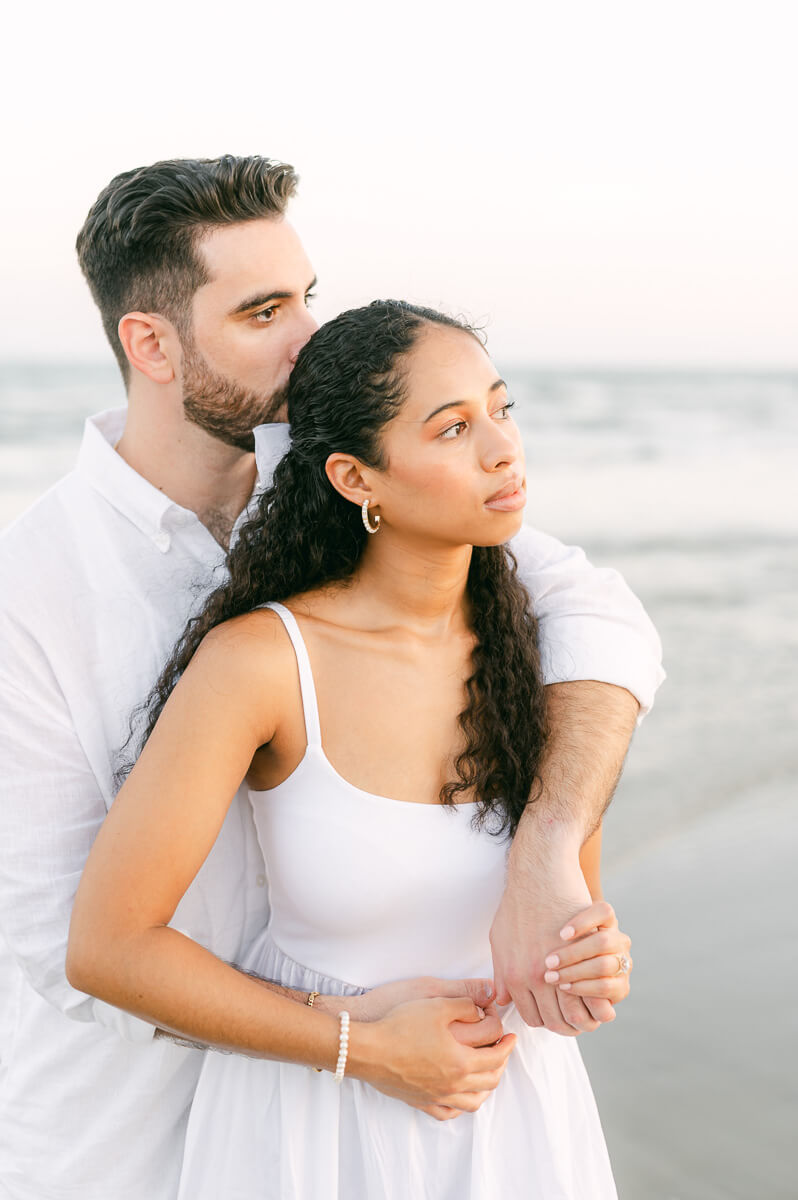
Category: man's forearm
<point>322,1001</point>
<point>590,728</point>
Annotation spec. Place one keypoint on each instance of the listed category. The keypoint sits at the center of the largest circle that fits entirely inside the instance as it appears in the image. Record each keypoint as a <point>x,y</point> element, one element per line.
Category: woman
<point>371,668</point>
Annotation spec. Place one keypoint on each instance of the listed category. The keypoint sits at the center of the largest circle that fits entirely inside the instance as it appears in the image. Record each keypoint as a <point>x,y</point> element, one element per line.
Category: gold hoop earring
<point>364,512</point>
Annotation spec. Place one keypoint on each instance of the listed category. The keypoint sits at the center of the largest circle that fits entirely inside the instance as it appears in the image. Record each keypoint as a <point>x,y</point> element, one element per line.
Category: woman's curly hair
<point>347,385</point>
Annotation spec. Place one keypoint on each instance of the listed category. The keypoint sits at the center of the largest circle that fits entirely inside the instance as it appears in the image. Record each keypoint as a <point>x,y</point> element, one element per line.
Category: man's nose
<point>308,327</point>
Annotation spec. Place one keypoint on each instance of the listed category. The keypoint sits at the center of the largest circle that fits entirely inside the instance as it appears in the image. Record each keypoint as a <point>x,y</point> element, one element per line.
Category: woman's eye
<point>504,412</point>
<point>265,316</point>
<point>453,431</point>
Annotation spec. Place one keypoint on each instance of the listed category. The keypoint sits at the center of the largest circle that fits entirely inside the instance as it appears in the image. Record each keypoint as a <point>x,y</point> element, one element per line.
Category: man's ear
<point>350,478</point>
<point>151,345</point>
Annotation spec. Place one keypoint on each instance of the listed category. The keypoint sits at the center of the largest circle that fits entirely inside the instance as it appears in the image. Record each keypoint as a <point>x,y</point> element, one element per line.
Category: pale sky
<point>604,182</point>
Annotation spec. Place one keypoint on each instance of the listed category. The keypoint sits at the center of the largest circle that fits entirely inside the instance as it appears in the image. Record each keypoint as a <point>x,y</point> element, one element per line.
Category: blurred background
<point>611,191</point>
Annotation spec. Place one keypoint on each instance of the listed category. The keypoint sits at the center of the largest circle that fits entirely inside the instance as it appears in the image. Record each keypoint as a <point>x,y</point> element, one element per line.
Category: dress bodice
<point>366,888</point>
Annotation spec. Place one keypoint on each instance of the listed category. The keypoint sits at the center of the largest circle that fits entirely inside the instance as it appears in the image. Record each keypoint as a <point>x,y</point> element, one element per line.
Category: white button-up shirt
<point>98,579</point>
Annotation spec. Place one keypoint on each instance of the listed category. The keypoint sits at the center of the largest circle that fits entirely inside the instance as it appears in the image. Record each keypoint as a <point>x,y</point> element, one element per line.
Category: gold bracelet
<point>310,1000</point>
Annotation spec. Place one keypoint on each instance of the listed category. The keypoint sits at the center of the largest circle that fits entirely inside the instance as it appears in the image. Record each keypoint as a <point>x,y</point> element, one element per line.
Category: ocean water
<point>686,482</point>
<point>683,481</point>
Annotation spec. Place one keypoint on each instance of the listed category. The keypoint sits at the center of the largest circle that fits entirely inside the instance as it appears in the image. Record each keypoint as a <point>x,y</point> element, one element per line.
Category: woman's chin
<point>500,530</point>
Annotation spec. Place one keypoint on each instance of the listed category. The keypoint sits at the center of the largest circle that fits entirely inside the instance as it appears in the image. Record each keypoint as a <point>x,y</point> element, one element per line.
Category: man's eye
<point>309,298</point>
<point>453,431</point>
<point>265,316</point>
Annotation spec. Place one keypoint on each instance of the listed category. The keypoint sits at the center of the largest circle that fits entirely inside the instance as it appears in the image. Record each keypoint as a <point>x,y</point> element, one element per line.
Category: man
<point>203,288</point>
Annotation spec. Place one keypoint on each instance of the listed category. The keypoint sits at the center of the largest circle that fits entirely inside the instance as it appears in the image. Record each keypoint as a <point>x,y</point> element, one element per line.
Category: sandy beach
<point>693,1080</point>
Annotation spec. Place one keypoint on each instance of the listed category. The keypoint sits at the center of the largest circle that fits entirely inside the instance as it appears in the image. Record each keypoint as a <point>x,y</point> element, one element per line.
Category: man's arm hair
<point>590,729</point>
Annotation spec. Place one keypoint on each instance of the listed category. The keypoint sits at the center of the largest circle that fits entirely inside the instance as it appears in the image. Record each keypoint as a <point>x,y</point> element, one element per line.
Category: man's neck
<point>193,469</point>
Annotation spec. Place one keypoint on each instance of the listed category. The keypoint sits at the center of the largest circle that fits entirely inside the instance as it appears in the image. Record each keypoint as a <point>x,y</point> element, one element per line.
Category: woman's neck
<point>419,587</point>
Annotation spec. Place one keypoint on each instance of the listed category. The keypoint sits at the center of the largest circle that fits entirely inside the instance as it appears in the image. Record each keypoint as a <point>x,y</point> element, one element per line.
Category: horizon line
<point>584,366</point>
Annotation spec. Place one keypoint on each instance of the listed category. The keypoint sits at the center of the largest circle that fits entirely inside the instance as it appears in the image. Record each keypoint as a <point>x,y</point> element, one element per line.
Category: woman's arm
<point>590,862</point>
<point>151,845</point>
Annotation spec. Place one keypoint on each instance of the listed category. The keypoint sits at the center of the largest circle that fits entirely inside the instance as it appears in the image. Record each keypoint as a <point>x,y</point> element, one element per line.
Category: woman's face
<point>455,463</point>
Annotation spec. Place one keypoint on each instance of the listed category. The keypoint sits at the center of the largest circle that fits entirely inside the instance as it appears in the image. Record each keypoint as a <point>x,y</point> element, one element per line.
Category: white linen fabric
<point>97,581</point>
<point>367,888</point>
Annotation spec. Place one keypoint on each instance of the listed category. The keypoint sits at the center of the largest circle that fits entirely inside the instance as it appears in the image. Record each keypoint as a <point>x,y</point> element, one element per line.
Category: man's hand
<point>379,1001</point>
<point>536,905</point>
<point>590,725</point>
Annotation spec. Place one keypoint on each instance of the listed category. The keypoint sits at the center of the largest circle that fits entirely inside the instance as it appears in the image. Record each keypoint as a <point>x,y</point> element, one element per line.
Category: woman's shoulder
<point>245,670</point>
<point>258,641</point>
<point>251,644</point>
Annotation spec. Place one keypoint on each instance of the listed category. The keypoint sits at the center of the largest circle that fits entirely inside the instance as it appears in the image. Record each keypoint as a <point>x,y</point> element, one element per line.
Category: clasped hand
<point>447,1046</point>
<point>568,980</point>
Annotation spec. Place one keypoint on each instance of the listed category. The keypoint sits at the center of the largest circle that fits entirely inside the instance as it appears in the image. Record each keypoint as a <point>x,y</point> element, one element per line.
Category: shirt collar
<point>271,444</point>
<point>108,473</point>
<point>130,493</point>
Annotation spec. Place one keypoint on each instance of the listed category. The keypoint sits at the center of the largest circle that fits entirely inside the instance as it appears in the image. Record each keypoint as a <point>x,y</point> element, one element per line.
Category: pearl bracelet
<point>343,1048</point>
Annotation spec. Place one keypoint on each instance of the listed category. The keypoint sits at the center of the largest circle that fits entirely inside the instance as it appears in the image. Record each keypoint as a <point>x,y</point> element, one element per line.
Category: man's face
<point>249,323</point>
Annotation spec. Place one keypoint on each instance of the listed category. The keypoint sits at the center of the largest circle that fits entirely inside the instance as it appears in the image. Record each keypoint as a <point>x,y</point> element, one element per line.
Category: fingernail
<point>567,933</point>
<point>487,994</point>
<point>551,976</point>
<point>565,987</point>
<point>553,960</point>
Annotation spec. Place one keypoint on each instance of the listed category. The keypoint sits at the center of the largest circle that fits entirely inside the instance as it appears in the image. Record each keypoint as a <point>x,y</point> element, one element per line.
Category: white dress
<point>365,890</point>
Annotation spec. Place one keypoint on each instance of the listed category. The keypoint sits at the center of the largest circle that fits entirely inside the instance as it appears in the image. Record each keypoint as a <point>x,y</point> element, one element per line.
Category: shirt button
<point>162,541</point>
<point>260,880</point>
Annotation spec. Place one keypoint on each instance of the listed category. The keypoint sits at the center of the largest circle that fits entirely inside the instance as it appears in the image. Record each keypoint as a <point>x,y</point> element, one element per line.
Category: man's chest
<point>107,635</point>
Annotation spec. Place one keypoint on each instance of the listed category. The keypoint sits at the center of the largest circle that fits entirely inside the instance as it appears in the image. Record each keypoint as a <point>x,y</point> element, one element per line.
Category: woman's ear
<point>151,345</point>
<point>350,478</point>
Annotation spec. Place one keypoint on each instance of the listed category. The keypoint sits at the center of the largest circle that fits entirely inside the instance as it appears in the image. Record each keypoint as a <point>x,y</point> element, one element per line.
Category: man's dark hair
<point>138,245</point>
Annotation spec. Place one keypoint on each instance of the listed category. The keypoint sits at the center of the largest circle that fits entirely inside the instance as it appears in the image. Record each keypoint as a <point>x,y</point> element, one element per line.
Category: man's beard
<point>222,407</point>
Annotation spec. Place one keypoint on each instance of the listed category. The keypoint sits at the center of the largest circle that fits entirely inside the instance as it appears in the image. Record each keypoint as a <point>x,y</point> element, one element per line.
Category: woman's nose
<point>502,446</point>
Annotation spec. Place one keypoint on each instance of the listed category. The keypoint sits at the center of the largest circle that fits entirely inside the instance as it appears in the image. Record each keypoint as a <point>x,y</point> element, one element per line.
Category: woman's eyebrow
<point>499,383</point>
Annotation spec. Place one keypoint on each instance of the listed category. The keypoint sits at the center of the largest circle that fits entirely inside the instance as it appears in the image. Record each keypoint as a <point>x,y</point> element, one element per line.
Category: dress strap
<point>310,704</point>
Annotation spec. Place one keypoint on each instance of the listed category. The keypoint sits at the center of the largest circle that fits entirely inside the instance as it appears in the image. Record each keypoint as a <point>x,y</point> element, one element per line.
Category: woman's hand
<point>588,960</point>
<point>413,1055</point>
<point>484,1031</point>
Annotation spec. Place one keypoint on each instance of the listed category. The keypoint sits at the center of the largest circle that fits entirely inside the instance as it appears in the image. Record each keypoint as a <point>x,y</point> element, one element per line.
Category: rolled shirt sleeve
<point>592,626</point>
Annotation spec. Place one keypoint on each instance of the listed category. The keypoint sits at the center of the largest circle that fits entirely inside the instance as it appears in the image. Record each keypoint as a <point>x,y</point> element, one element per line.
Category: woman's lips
<point>510,498</point>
